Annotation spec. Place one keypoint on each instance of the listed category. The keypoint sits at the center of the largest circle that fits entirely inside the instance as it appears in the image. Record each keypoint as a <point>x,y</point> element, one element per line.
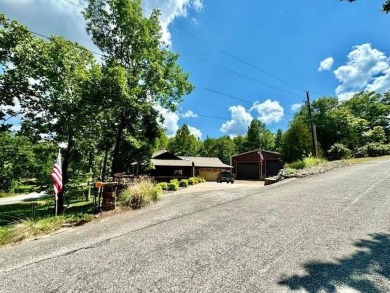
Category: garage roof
<point>263,151</point>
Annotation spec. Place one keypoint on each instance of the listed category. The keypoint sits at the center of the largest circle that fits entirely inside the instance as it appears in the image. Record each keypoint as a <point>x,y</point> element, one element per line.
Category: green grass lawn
<point>365,159</point>
<point>35,217</point>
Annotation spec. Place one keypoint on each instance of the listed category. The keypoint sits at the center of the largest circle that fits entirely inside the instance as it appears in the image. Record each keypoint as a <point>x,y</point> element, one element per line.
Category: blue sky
<point>262,54</point>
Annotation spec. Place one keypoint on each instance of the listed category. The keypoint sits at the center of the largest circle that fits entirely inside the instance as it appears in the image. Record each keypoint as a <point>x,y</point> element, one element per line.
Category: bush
<point>140,193</point>
<point>195,180</point>
<point>173,186</point>
<point>361,152</point>
<point>311,161</point>
<point>339,151</point>
<point>378,149</point>
<point>163,185</point>
<point>159,192</point>
<point>183,183</point>
<point>174,181</point>
<point>297,165</point>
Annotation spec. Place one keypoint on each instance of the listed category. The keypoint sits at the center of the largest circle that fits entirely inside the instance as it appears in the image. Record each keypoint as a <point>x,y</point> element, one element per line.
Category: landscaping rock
<point>300,173</point>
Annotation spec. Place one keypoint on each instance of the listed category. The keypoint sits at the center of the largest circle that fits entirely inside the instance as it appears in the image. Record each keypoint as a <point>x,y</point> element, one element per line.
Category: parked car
<point>225,176</point>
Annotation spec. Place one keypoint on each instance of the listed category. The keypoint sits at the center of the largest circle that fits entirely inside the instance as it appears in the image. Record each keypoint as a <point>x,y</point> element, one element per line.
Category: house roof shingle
<point>206,162</point>
<point>172,163</point>
<point>186,161</point>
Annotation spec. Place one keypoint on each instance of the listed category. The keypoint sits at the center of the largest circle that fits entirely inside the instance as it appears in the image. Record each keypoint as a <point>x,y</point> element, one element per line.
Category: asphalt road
<point>326,233</point>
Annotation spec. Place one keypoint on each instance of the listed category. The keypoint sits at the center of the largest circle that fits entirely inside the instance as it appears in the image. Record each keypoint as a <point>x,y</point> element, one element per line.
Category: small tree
<point>296,142</point>
<point>184,143</point>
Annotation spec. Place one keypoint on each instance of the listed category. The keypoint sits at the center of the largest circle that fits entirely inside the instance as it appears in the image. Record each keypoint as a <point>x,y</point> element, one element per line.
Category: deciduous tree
<point>148,71</point>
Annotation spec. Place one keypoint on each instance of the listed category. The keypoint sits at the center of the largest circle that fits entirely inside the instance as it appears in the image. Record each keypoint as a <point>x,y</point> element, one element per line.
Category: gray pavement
<point>21,197</point>
<point>326,233</point>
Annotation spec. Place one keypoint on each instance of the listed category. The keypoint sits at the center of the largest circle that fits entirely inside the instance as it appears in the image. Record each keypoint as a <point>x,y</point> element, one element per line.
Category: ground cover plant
<point>141,192</point>
<point>35,217</point>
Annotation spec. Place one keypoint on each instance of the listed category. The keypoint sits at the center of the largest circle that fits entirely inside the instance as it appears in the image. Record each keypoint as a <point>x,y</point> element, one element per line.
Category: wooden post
<point>313,149</point>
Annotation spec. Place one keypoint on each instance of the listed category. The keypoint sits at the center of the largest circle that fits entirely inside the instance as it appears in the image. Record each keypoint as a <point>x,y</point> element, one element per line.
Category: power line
<point>233,57</point>
<point>46,37</point>
<point>70,2</point>
<point>257,81</point>
<point>259,69</point>
<point>224,94</point>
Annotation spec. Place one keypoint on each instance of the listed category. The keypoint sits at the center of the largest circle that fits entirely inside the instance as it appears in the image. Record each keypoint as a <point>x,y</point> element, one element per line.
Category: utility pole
<point>313,138</point>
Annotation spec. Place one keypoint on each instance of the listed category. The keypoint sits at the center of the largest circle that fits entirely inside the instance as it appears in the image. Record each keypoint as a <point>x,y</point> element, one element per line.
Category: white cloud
<point>380,84</point>
<point>367,69</point>
<point>171,9</point>
<point>58,17</point>
<point>171,122</point>
<point>346,96</point>
<point>55,18</point>
<point>195,132</point>
<point>188,114</point>
<point>326,64</point>
<point>240,120</point>
<point>171,119</point>
<point>269,111</point>
<point>296,107</point>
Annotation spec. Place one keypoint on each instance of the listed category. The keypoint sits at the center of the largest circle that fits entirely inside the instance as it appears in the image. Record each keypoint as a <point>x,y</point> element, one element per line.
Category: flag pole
<point>56,205</point>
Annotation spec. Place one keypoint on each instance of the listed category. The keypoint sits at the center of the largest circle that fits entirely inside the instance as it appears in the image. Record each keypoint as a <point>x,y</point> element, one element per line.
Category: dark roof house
<point>168,166</point>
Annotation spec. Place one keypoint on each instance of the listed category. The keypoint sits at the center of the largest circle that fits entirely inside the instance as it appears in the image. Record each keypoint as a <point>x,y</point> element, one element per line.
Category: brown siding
<point>253,157</point>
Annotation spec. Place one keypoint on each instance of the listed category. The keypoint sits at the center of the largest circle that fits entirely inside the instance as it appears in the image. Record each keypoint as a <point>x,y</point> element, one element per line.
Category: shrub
<point>159,192</point>
<point>174,181</point>
<point>378,149</point>
<point>361,152</point>
<point>195,180</point>
<point>297,165</point>
<point>311,161</point>
<point>183,183</point>
<point>141,192</point>
<point>173,186</point>
<point>339,151</point>
<point>163,185</point>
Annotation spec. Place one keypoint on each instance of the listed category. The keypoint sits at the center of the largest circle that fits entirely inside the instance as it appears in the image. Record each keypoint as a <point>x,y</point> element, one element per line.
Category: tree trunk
<point>104,163</point>
<point>116,167</point>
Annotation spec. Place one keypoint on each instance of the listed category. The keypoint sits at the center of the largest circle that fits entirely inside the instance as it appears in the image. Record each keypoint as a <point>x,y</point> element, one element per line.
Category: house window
<point>178,172</point>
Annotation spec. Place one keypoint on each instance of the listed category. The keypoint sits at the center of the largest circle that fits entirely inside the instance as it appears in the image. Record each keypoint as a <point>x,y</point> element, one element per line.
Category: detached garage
<point>256,165</point>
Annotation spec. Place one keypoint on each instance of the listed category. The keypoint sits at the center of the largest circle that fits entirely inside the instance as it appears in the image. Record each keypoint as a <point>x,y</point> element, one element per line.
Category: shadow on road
<point>373,259</point>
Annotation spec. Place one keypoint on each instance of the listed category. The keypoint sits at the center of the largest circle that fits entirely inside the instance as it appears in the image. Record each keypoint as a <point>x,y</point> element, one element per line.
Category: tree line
<point>101,111</point>
<point>356,127</point>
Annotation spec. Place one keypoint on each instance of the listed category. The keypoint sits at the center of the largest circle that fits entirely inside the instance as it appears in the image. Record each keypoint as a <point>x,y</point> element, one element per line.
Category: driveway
<point>210,186</point>
<point>325,233</point>
<point>21,197</point>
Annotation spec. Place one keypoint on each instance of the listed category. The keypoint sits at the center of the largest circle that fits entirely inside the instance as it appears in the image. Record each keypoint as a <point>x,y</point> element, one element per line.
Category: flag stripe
<point>56,175</point>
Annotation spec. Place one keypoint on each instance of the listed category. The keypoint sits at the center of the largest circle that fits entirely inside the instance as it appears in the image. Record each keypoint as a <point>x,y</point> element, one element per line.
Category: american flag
<point>56,175</point>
